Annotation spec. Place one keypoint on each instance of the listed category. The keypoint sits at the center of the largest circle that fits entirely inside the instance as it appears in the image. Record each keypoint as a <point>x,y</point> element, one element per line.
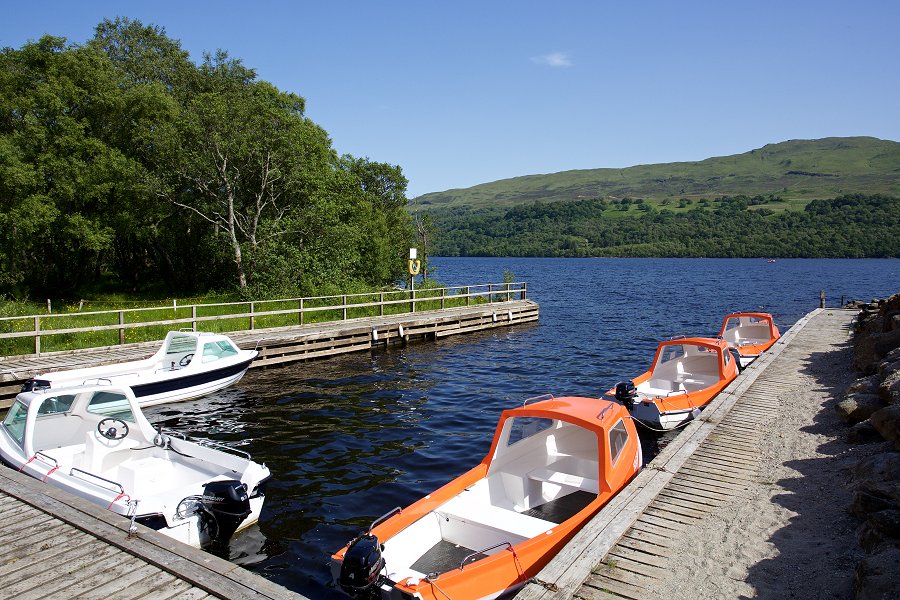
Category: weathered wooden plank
<point>605,589</point>
<point>168,591</point>
<point>721,476</point>
<point>45,581</point>
<point>614,588</point>
<point>689,501</point>
<point>629,541</point>
<point>610,571</point>
<point>194,566</point>
<point>638,562</point>
<point>594,594</point>
<point>683,508</point>
<point>703,483</point>
<point>131,583</point>
<point>690,497</point>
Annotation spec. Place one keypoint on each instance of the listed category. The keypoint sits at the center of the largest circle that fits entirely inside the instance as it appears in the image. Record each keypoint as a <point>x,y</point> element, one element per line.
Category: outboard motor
<point>626,393</point>
<point>35,385</point>
<point>736,355</point>
<point>362,564</point>
<point>229,504</point>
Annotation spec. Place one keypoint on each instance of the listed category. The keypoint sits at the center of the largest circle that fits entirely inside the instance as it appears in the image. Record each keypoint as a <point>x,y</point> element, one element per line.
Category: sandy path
<point>789,534</point>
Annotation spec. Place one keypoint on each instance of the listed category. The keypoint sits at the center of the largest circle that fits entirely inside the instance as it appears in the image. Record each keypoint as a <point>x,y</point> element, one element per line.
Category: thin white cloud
<point>554,59</point>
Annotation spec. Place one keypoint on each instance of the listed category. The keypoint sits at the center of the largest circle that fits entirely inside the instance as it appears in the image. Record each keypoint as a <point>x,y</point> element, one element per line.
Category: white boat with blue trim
<point>189,364</point>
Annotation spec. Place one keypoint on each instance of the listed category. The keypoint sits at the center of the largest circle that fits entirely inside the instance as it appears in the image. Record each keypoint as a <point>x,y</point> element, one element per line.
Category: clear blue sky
<point>464,92</point>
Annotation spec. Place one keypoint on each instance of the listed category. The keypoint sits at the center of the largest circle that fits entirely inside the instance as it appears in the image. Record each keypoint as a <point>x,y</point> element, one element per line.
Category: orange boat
<point>750,333</point>
<point>686,375</point>
<point>551,467</point>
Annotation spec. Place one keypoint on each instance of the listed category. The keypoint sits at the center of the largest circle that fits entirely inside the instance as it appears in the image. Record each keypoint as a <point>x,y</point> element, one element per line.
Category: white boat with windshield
<point>94,442</point>
<point>187,365</point>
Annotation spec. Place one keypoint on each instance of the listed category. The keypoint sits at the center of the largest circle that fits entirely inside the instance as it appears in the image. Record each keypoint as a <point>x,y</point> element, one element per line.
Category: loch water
<point>349,438</point>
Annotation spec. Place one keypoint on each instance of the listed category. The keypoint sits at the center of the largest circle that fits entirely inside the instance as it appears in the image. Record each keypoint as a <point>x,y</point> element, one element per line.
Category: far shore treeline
<point>127,168</point>
<point>849,226</point>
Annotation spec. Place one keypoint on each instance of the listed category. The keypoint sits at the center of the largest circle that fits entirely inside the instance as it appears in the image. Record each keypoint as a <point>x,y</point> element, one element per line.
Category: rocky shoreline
<point>871,408</point>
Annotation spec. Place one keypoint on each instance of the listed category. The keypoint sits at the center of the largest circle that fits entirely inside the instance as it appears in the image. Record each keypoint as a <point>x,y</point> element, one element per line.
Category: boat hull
<point>177,389</point>
<point>553,465</point>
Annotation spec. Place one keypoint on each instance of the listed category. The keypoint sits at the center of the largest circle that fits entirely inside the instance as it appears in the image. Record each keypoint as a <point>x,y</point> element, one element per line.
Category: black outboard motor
<point>736,355</point>
<point>35,385</point>
<point>229,504</point>
<point>362,563</point>
<point>626,393</point>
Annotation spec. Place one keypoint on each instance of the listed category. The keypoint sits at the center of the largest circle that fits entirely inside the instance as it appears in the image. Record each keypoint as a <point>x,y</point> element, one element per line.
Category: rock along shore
<point>871,408</point>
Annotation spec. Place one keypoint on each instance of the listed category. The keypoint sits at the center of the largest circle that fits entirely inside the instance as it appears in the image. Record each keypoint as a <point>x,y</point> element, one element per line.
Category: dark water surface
<point>349,438</point>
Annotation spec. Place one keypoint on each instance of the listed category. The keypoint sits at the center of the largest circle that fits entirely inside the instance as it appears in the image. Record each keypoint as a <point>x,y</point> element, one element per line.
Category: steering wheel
<point>110,428</point>
<point>185,360</point>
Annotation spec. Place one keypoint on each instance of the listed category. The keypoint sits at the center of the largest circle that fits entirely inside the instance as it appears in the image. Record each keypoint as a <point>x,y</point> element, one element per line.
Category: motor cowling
<point>229,504</point>
<point>626,393</point>
<point>35,385</point>
<point>736,355</point>
<point>361,565</point>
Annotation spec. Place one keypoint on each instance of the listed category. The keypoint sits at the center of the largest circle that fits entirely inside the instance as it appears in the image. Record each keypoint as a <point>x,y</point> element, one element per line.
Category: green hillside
<point>796,170</point>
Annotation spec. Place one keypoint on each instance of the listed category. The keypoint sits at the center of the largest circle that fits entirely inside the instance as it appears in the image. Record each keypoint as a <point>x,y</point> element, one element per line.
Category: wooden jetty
<point>281,345</point>
<point>627,545</point>
<point>56,545</point>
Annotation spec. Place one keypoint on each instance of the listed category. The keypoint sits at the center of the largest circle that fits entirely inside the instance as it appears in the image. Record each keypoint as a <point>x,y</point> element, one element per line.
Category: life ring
<point>414,266</point>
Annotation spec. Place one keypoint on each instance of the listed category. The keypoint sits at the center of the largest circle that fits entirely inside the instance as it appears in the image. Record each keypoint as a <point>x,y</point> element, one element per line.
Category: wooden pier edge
<point>572,566</point>
<point>199,569</point>
<point>282,345</point>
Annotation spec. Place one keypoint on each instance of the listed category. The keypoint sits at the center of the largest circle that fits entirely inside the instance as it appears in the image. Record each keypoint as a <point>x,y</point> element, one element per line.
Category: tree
<point>243,158</point>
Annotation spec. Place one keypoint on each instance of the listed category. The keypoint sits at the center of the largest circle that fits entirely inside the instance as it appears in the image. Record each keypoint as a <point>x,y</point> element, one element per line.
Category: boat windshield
<point>14,423</point>
<point>524,427</point>
<point>56,404</point>
<point>213,351</point>
<point>181,344</point>
<point>111,404</point>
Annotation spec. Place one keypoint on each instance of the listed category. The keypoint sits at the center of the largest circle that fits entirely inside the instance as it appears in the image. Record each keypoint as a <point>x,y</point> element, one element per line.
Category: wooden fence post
<point>822,299</point>
<point>490,293</point>
<point>467,295</point>
<point>121,329</point>
<point>37,335</point>
<point>381,304</point>
<point>344,304</point>
<point>252,316</point>
<point>442,297</point>
<point>524,286</point>
<point>194,317</point>
<point>301,311</point>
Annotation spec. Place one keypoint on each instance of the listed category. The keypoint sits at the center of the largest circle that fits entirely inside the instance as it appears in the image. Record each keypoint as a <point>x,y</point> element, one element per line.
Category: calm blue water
<point>350,438</point>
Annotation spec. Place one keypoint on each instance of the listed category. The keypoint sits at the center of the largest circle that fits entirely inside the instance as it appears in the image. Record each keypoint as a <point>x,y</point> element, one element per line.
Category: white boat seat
<point>493,517</point>
<point>101,454</point>
<point>566,480</point>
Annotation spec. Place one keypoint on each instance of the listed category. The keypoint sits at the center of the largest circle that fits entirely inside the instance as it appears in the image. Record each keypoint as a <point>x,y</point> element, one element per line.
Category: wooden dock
<point>627,546</point>
<point>282,345</point>
<point>55,545</point>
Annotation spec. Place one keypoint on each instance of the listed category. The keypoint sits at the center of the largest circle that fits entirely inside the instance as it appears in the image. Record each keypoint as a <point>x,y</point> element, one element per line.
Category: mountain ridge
<point>799,169</point>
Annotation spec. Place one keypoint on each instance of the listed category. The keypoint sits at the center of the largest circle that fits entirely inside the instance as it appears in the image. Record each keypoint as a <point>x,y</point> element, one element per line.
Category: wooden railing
<point>248,315</point>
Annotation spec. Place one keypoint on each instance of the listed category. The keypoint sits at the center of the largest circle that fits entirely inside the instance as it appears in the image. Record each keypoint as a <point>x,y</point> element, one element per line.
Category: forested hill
<point>125,167</point>
<point>796,169</point>
<point>835,197</point>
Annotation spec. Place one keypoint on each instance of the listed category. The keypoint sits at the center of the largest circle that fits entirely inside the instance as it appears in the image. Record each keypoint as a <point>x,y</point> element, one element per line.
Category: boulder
<point>879,530</point>
<point>858,407</point>
<point>889,390</point>
<point>887,422</point>
<point>871,498</point>
<point>863,433</point>
<point>877,576</point>
<point>884,466</point>
<point>864,384</point>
